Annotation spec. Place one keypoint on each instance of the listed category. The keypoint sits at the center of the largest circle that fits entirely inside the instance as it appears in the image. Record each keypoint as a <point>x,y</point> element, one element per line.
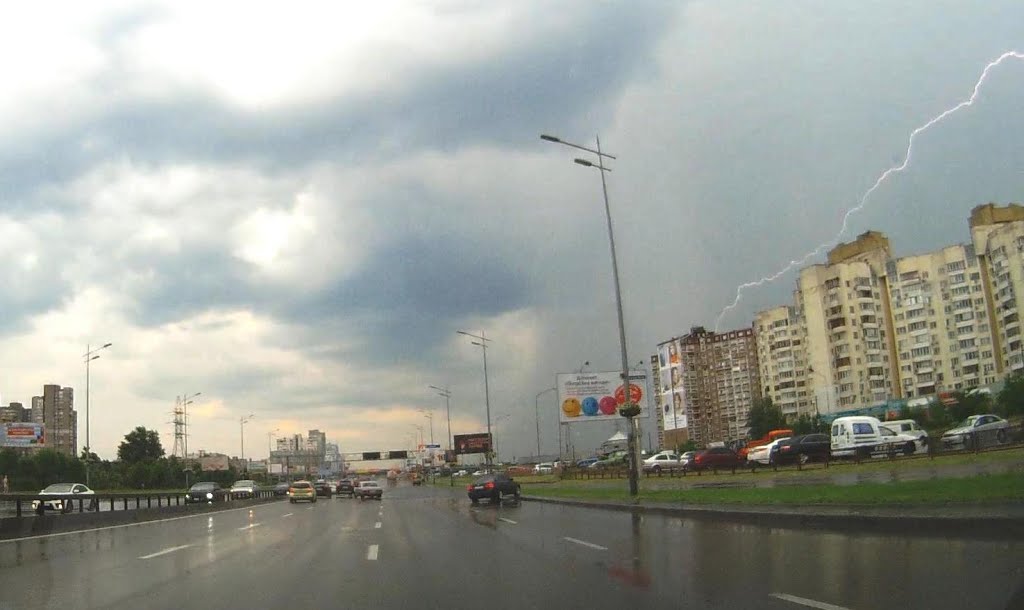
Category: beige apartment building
<point>866,327</point>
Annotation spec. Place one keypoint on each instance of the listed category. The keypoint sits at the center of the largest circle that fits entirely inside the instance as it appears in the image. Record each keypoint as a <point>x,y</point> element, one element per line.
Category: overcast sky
<point>293,209</point>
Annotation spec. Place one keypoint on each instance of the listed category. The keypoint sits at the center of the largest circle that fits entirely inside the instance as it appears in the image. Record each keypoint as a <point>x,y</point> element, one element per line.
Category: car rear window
<point>862,428</point>
<point>301,485</point>
<point>482,480</point>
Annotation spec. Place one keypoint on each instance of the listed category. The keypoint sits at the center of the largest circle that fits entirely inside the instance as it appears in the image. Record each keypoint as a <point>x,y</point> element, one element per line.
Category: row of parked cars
<point>855,436</point>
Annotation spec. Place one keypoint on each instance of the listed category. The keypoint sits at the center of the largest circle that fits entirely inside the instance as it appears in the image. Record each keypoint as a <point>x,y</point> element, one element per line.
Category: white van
<point>865,436</point>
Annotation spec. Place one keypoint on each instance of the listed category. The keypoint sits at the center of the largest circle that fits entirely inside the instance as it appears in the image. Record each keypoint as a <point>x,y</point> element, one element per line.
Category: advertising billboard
<point>22,435</point>
<point>598,396</point>
<point>466,444</point>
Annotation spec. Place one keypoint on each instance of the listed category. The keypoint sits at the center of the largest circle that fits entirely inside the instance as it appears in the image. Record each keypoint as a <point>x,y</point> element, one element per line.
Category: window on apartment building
<point>921,351</point>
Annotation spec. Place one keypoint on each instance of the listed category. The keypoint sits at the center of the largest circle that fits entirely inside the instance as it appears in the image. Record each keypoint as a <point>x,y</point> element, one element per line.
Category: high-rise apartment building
<point>707,382</point>
<point>998,237</point>
<point>55,409</point>
<point>780,337</point>
<point>15,413</point>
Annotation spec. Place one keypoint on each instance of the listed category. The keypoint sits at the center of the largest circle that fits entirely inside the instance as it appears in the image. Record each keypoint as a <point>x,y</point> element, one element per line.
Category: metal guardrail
<point>119,501</point>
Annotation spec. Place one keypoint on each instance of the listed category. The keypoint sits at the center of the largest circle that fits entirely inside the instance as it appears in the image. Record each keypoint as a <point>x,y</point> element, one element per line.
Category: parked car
<point>462,473</point>
<point>716,458</point>
<point>493,487</point>
<point>802,449</point>
<point>323,489</point>
<point>910,428</point>
<point>369,489</point>
<point>301,491</point>
<point>983,429</point>
<point>897,441</point>
<point>864,436</point>
<point>281,489</point>
<point>586,462</point>
<point>345,487</point>
<point>64,505</point>
<point>762,454</point>
<point>244,489</point>
<point>206,491</point>
<point>764,440</point>
<point>664,460</point>
<point>544,468</point>
<point>612,460</point>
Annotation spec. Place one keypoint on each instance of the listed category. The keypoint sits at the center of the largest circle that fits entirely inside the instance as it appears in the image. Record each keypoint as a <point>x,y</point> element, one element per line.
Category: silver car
<point>982,429</point>
<point>65,504</point>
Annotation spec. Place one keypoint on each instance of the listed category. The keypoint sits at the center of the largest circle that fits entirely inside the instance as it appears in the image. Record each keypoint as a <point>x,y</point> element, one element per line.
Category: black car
<point>323,489</point>
<point>206,491</point>
<point>281,489</point>
<point>345,487</point>
<point>493,487</point>
<point>802,449</point>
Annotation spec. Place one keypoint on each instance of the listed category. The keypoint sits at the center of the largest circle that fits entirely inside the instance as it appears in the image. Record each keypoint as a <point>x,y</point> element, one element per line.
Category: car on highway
<point>761,455</point>
<point>984,430</point>
<point>344,488</point>
<point>244,489</point>
<point>662,461</point>
<point>369,489</point>
<point>544,468</point>
<point>462,473</point>
<point>281,489</point>
<point>64,505</point>
<point>205,492</point>
<point>802,449</point>
<point>323,489</point>
<point>586,462</point>
<point>301,491</point>
<point>493,487</point>
<point>714,458</point>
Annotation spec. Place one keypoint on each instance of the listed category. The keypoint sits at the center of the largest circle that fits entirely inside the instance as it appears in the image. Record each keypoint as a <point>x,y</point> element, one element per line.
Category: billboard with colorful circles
<point>598,396</point>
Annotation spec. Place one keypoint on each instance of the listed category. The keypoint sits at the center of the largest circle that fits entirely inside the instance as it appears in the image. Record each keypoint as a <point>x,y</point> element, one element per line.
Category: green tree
<point>140,445</point>
<point>969,404</point>
<point>1010,400</point>
<point>806,424</point>
<point>764,416</point>
<point>689,445</point>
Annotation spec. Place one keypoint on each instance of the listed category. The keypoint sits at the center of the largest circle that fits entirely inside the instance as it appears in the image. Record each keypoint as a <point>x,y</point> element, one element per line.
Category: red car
<point>716,458</point>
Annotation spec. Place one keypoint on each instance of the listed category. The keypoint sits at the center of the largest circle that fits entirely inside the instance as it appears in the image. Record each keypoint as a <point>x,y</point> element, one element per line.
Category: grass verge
<point>995,488</point>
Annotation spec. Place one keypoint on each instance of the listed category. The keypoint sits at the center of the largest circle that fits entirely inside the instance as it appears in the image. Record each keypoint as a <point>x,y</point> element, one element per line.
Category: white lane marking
<point>371,553</point>
<point>803,601</point>
<point>287,515</point>
<point>508,521</point>
<point>585,543</point>
<point>249,527</point>
<point>376,525</point>
<point>165,551</point>
<point>122,525</point>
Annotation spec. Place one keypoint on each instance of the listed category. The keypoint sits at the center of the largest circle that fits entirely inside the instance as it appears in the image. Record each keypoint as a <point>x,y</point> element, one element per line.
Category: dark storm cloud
<point>547,82</point>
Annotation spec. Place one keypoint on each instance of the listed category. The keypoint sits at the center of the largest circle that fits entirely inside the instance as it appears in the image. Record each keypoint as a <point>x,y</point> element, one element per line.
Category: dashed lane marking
<point>371,552</point>
<point>803,601</point>
<point>287,515</point>
<point>508,520</point>
<point>376,525</point>
<point>249,527</point>
<point>586,544</point>
<point>165,551</point>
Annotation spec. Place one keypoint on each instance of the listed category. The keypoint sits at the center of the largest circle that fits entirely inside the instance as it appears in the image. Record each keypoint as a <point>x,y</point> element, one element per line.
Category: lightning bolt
<point>867,194</point>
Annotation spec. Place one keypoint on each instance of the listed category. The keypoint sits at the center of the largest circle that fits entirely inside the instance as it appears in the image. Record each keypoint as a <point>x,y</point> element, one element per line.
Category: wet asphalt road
<point>424,547</point>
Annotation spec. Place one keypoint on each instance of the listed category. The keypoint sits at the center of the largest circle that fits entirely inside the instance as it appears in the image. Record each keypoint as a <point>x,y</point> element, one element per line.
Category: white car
<point>898,442</point>
<point>65,505</point>
<point>244,489</point>
<point>910,428</point>
<point>544,468</point>
<point>665,460</point>
<point>983,429</point>
<point>762,454</point>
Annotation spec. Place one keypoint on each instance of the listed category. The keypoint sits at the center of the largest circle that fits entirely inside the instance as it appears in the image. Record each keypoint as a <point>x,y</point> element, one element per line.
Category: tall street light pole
<point>481,341</point>
<point>448,410</point>
<point>429,415</point>
<point>89,355</point>
<point>629,410</point>
<point>536,412</point>
<point>241,429</point>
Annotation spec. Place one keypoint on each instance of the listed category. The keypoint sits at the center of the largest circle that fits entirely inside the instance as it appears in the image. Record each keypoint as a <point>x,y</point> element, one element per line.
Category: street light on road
<point>629,410</point>
<point>481,341</point>
<point>448,409</point>
<point>536,411</point>
<point>429,415</point>
<point>89,356</point>
<point>241,427</point>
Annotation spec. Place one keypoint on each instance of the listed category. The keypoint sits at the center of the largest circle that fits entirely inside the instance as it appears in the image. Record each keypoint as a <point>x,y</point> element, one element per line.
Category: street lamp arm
<point>557,140</point>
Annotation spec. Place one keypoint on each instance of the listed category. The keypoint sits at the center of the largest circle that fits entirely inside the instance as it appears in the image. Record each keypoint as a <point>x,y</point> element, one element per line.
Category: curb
<point>852,521</point>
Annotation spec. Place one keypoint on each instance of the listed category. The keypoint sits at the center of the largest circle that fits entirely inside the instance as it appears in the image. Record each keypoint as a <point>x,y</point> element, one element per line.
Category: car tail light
<point>489,485</point>
<point>786,448</point>
<point>469,488</point>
